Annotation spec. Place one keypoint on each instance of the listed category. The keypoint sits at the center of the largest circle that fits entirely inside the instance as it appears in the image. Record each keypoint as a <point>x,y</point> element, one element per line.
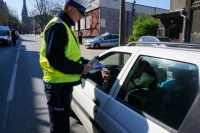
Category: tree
<point>144,25</point>
<point>46,9</point>
<point>4,13</point>
<point>11,19</point>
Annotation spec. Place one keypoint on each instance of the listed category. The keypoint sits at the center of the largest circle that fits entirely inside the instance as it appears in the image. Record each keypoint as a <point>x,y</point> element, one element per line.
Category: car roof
<point>166,44</point>
<point>156,36</point>
<point>107,33</point>
<point>148,36</point>
<point>130,48</point>
<point>174,53</point>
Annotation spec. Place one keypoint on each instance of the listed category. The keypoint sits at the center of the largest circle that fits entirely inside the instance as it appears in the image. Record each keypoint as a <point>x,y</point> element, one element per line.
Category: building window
<point>87,22</point>
<point>103,23</point>
<point>82,23</point>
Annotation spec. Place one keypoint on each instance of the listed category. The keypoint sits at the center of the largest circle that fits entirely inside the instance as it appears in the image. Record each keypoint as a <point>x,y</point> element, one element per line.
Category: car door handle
<point>96,101</point>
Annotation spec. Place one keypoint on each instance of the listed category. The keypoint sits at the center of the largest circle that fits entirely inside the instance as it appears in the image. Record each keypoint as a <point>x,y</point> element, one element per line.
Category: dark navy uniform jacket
<point>56,39</point>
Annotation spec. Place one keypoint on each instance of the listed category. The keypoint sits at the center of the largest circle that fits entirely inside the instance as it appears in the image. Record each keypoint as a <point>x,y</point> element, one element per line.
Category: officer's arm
<point>56,40</point>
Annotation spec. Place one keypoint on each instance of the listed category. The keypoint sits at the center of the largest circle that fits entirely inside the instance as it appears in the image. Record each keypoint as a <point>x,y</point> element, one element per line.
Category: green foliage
<point>145,25</point>
<point>130,38</point>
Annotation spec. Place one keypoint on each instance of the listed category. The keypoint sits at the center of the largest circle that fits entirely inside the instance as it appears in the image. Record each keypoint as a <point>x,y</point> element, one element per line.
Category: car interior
<point>113,62</point>
<point>167,97</point>
<point>96,77</point>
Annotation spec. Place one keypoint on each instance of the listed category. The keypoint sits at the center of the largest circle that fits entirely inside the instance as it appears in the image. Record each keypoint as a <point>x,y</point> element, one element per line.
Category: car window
<point>162,89</point>
<point>149,39</point>
<point>113,63</point>
<point>114,36</point>
<point>107,37</point>
<point>99,37</point>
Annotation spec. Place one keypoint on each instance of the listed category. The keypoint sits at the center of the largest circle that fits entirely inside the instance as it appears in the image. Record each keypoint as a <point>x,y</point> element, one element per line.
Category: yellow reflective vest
<point>72,52</point>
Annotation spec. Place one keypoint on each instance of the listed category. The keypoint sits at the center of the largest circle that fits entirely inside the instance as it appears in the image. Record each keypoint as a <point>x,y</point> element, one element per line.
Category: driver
<point>109,76</point>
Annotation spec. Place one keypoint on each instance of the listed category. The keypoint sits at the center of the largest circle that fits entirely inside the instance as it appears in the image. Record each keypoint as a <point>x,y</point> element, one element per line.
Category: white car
<point>151,89</point>
<point>5,35</point>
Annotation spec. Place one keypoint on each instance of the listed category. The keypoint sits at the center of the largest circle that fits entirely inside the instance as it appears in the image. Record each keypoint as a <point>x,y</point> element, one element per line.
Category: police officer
<point>62,64</point>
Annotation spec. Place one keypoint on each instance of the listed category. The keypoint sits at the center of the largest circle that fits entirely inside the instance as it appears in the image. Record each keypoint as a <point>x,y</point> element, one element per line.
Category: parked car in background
<point>150,89</point>
<point>5,36</point>
<point>103,40</point>
<point>154,39</point>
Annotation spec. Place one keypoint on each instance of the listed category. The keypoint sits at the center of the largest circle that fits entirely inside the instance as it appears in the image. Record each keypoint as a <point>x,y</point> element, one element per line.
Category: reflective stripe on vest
<point>72,52</point>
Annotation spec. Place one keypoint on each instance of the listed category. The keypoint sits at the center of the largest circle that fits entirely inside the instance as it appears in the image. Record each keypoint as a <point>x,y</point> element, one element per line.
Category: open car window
<point>112,62</point>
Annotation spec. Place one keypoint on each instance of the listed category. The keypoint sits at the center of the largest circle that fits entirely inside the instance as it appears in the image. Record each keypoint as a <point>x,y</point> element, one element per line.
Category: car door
<point>151,104</point>
<point>107,41</point>
<point>114,40</point>
<point>91,96</point>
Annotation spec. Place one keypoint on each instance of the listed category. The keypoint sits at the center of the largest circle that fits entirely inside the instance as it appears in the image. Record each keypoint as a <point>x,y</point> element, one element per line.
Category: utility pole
<point>122,23</point>
<point>35,24</point>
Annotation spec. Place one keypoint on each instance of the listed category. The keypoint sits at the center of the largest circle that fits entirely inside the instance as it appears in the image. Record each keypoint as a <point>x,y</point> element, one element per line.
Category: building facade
<point>182,22</point>
<point>193,33</point>
<point>103,16</point>
<point>4,13</point>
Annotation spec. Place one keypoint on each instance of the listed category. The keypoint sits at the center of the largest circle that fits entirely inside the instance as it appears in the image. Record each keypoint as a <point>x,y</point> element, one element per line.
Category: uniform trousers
<point>59,98</point>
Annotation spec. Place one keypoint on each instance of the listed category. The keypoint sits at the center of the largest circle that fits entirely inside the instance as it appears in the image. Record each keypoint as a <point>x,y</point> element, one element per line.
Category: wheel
<point>96,46</point>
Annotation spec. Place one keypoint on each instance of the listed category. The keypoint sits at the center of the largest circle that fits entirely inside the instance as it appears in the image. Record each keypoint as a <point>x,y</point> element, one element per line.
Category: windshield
<point>4,33</point>
<point>99,37</point>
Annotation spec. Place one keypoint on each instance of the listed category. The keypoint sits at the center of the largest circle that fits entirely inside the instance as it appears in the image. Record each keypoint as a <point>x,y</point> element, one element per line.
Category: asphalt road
<point>22,101</point>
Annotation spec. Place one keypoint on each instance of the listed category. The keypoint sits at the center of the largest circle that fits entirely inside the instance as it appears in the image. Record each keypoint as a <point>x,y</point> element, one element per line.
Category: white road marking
<point>10,94</point>
<point>12,82</point>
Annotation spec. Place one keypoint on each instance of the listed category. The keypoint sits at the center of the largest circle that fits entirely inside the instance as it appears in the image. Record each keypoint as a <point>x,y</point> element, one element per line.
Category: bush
<point>130,38</point>
<point>145,25</point>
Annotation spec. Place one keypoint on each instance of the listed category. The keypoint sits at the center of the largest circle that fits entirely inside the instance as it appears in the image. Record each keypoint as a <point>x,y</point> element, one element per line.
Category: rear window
<point>149,39</point>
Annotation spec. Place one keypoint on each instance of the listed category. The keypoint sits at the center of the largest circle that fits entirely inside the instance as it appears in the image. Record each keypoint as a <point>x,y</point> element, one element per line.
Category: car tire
<point>96,46</point>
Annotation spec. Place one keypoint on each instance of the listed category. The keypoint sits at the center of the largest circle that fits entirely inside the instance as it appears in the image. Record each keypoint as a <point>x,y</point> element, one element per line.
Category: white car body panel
<point>113,116</point>
<point>127,121</point>
<point>88,92</point>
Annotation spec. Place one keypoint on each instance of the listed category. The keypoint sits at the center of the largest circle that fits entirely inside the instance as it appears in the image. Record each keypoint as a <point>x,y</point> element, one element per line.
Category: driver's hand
<point>105,73</point>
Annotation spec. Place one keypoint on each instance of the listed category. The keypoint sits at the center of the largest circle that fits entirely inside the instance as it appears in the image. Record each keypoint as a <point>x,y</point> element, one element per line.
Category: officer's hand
<point>86,69</point>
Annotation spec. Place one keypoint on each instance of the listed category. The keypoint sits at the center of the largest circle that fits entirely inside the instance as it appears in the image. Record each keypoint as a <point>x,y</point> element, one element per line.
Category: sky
<point>16,5</point>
